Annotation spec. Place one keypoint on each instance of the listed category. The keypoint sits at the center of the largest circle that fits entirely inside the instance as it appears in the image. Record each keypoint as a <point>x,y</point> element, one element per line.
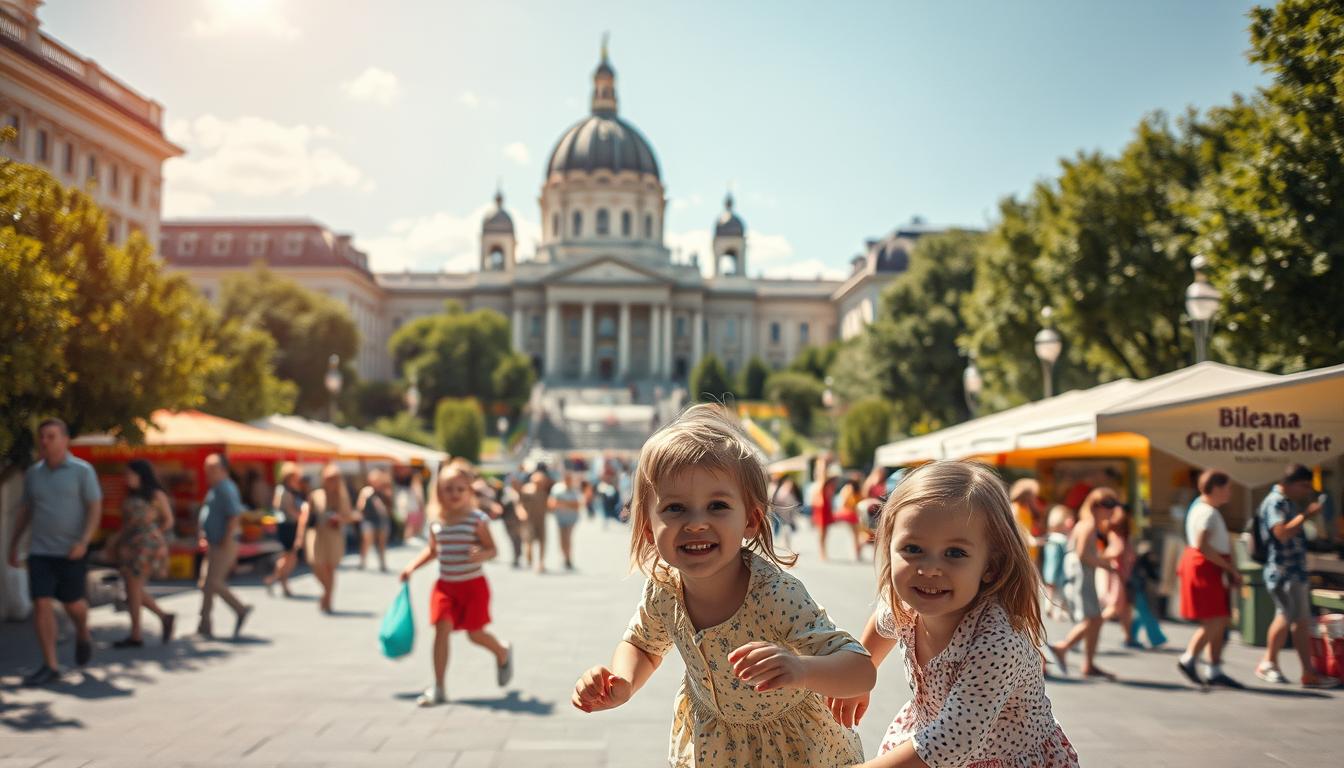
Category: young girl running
<point>759,653</point>
<point>459,538</point>
<point>961,600</point>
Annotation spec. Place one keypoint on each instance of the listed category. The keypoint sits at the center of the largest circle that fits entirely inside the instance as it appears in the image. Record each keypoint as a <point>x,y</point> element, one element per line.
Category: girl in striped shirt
<point>459,538</point>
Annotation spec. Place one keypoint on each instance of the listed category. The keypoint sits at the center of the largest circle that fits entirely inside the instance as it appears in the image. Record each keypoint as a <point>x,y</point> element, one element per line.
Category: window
<point>135,188</point>
<point>116,180</point>
<point>91,168</point>
<point>555,226</point>
<point>730,329</point>
<point>187,244</point>
<point>256,243</point>
<point>626,223</point>
<point>496,260</point>
<point>221,243</point>
<point>573,324</point>
<point>536,326</point>
<point>293,243</point>
<point>43,150</point>
<point>680,327</point>
<point>802,333</point>
<point>68,163</point>
<point>774,333</point>
<point>578,225</point>
<point>606,326</point>
<point>113,228</point>
<point>648,227</point>
<point>603,222</point>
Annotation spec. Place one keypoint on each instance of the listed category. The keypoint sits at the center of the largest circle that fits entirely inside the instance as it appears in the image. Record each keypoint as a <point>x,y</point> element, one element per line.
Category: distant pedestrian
<point>1059,522</point>
<point>375,524</point>
<point>509,500</point>
<point>460,540</point>
<point>141,548</point>
<point>608,496</point>
<point>1029,511</point>
<point>534,498</point>
<point>326,514</point>
<point>286,507</point>
<point>219,536</point>
<point>409,501</point>
<point>785,500</point>
<point>1084,557</point>
<point>1206,571</point>
<point>62,504</point>
<point>1281,517</point>
<point>566,503</point>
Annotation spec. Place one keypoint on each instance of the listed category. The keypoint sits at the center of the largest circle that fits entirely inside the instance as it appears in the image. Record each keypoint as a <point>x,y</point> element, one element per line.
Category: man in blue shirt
<point>219,536</point>
<point>63,504</point>
<point>1281,517</point>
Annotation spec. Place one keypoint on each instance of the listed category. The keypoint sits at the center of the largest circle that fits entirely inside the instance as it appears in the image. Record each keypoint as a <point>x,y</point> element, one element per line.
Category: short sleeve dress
<point>719,720</point>
<point>142,550</point>
<point>980,703</point>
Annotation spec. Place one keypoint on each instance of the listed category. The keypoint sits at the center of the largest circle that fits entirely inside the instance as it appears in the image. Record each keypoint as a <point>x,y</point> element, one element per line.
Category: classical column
<point>552,338</point>
<point>667,341</point>
<point>697,337</point>
<point>586,363</point>
<point>655,334</point>
<point>746,339</point>
<point>519,340</point>
<point>623,342</point>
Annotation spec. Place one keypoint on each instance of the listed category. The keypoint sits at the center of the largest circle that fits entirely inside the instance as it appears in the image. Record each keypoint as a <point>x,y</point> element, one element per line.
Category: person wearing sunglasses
<point>1081,561</point>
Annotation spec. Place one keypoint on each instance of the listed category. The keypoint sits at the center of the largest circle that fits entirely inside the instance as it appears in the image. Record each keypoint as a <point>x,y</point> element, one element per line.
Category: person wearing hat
<point>1281,518</point>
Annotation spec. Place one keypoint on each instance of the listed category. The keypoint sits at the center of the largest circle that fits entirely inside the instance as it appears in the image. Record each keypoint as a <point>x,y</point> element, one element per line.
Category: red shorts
<point>1203,592</point>
<point>464,603</point>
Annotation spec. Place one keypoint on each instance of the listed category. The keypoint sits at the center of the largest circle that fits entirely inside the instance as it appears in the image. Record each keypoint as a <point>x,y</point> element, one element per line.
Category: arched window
<point>496,260</point>
<point>603,222</point>
<point>626,224</point>
<point>555,225</point>
<point>578,225</point>
<point>648,227</point>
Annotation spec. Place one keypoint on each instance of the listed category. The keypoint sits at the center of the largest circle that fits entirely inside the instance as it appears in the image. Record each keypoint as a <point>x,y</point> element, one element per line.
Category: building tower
<point>730,242</point>
<point>497,240</point>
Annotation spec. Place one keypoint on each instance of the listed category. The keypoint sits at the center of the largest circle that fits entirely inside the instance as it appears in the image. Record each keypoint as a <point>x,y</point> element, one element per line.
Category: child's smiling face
<point>939,559</point>
<point>455,493</point>
<point>699,519</point>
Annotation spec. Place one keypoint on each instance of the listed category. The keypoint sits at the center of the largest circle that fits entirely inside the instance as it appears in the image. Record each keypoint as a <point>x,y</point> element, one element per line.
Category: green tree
<point>853,375</point>
<point>457,354</point>
<point>459,427</point>
<point>863,429</point>
<point>307,327</point>
<point>1270,215</point>
<point>753,379</point>
<point>709,381</point>
<point>913,341</point>
<point>511,381</point>
<point>118,338</point>
<point>816,360</point>
<point>368,401</point>
<point>244,385</point>
<point>799,393</point>
<point>404,426</point>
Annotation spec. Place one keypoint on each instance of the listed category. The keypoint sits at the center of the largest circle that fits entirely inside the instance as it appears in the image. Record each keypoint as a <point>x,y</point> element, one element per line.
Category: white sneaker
<point>504,672</point>
<point>432,697</point>
<point>1270,674</point>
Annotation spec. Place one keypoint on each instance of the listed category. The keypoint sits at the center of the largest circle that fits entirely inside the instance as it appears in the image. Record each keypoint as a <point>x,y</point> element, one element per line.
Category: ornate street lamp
<point>1048,346</point>
<point>972,385</point>
<point>333,382</point>
<point>1201,304</point>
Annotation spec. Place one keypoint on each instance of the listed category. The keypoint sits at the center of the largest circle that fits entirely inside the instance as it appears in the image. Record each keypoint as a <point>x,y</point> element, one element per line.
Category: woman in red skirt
<point>1206,570</point>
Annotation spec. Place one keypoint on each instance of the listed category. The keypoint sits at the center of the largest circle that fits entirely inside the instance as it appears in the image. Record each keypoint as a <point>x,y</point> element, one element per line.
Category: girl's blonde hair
<point>704,436</point>
<point>435,509</point>
<point>341,504</point>
<point>1059,517</point>
<point>956,486</point>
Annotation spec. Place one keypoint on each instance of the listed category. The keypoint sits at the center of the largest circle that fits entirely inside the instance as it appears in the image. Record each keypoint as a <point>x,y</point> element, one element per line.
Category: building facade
<point>602,300</point>
<point>84,126</point>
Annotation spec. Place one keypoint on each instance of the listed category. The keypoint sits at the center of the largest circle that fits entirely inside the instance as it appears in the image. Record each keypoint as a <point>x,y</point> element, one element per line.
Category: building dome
<point>603,141</point>
<point>499,221</point>
<point>729,223</point>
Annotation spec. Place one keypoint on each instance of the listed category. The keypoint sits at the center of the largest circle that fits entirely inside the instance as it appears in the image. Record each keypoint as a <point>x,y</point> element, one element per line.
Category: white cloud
<point>228,17</point>
<point>469,99</point>
<point>373,86</point>
<point>517,152</point>
<point>771,255</point>
<point>251,157</point>
<point>692,200</point>
<point>443,240</point>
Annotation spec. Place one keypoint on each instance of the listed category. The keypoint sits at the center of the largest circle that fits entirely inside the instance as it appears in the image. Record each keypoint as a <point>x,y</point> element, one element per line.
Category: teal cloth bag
<point>397,633</point>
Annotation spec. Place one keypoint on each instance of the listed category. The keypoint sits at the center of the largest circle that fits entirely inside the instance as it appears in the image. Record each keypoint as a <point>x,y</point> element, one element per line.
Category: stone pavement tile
<point>22,762</point>
<point>432,759</point>
<point>479,758</point>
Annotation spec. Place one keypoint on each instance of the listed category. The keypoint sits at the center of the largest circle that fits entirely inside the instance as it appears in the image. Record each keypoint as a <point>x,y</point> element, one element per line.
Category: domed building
<point>603,299</point>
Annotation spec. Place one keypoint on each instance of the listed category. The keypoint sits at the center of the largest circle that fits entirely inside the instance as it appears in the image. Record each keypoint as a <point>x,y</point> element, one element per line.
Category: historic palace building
<point>603,299</point>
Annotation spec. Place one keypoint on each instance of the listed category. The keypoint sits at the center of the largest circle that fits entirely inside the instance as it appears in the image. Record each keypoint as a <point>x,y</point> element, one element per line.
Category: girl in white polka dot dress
<point>961,601</point>
<point>759,653</point>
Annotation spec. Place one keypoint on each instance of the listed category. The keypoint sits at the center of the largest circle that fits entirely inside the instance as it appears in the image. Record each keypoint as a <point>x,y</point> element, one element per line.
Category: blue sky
<point>832,122</point>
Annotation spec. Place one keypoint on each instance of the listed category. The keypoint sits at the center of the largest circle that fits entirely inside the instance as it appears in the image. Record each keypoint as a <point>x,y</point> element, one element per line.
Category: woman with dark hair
<point>141,548</point>
<point>1206,569</point>
<point>1081,562</point>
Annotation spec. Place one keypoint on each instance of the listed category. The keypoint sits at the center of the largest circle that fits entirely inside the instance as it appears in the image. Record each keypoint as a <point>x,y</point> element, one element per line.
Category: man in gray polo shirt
<point>62,502</point>
<point>219,533</point>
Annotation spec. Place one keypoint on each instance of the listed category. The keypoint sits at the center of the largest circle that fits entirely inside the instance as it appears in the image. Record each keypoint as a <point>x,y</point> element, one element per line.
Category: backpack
<point>1254,537</point>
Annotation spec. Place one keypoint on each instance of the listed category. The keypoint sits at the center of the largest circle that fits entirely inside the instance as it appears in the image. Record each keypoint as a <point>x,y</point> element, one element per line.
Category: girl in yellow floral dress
<point>759,653</point>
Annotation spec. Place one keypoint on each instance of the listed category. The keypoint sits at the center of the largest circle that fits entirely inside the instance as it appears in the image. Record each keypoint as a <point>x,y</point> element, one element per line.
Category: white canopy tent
<point>356,450</point>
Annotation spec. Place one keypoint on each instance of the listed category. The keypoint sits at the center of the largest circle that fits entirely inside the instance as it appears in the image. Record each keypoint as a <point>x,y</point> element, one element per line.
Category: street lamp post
<point>333,382</point>
<point>972,384</point>
<point>1201,303</point>
<point>413,395</point>
<point>1048,346</point>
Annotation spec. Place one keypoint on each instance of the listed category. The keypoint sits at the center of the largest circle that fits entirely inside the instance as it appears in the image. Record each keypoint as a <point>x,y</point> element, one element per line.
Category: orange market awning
<point>182,429</point>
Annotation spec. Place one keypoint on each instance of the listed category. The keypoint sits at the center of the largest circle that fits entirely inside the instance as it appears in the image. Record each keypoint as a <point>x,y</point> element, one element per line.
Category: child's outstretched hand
<point>848,712</point>
<point>766,666</point>
<point>601,689</point>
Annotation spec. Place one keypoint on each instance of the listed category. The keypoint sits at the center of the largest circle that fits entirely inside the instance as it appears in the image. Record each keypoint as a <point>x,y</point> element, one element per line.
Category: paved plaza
<point>303,689</point>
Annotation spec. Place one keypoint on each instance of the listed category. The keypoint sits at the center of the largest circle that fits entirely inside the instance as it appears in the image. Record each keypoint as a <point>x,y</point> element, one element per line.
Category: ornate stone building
<point>602,299</point>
